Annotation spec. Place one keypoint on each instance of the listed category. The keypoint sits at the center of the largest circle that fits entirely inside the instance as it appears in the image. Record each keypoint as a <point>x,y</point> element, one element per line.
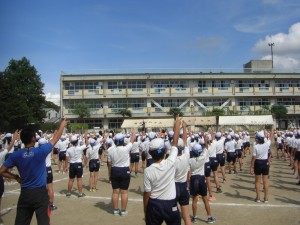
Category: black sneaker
<point>298,183</point>
<point>53,207</point>
<point>219,190</point>
<point>81,195</point>
<point>193,219</point>
<point>211,219</point>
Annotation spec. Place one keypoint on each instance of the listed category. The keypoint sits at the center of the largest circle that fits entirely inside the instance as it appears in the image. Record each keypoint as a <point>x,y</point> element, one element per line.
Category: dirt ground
<point>234,206</point>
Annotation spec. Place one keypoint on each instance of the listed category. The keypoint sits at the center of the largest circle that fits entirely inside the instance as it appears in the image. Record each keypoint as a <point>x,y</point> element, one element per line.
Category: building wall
<point>152,95</point>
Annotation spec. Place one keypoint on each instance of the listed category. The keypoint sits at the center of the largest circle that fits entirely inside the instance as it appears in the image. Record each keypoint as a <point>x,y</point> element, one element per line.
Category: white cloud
<point>53,97</point>
<point>286,49</point>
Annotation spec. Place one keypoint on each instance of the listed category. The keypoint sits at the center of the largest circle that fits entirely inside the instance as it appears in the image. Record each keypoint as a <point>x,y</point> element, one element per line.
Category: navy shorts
<point>162,210</point>
<point>55,151</point>
<point>261,167</point>
<point>134,157</point>
<point>221,159</point>
<point>1,186</point>
<point>297,156</point>
<point>49,175</point>
<point>231,157</point>
<point>280,146</point>
<point>143,156</point>
<point>207,169</point>
<point>213,163</point>
<point>246,144</point>
<point>94,165</point>
<point>62,156</point>
<point>120,178</point>
<point>182,194</point>
<point>198,185</point>
<point>75,170</point>
<point>149,162</point>
<point>238,153</point>
<point>290,149</point>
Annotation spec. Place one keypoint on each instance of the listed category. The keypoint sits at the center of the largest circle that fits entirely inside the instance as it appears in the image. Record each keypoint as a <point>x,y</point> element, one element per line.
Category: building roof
<point>246,120</point>
<point>168,122</point>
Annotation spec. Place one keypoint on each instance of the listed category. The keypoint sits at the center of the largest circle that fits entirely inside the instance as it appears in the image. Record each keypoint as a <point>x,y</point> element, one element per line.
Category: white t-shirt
<point>212,149</point>
<point>75,153</point>
<point>260,151</point>
<point>220,145</point>
<point>135,147</point>
<point>63,145</point>
<point>119,156</point>
<point>93,152</point>
<point>238,144</point>
<point>197,164</point>
<point>298,145</point>
<point>229,146</point>
<point>159,178</point>
<point>182,166</point>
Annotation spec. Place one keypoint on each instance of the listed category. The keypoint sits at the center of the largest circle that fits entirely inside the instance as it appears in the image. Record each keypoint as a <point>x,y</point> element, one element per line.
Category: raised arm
<point>59,132</point>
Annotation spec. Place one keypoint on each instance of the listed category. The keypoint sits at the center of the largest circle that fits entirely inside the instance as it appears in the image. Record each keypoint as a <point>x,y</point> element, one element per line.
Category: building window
<point>116,85</point>
<point>212,101</point>
<point>115,123</point>
<point>136,85</point>
<point>288,101</point>
<point>253,101</point>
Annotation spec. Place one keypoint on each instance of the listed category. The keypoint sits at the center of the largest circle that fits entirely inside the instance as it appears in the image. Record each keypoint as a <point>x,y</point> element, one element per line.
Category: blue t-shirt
<point>31,165</point>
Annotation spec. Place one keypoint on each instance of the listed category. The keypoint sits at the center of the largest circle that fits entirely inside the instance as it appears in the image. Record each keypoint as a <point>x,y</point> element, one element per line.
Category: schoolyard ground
<point>234,206</point>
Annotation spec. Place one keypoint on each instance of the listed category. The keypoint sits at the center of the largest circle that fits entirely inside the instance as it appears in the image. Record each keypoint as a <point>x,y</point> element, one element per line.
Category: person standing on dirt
<point>31,165</point>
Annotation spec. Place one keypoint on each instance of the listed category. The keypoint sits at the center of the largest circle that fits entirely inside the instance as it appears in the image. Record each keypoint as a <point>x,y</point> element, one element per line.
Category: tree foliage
<point>279,110</point>
<point>51,105</point>
<point>125,112</point>
<point>175,112</point>
<point>21,95</point>
<point>82,110</point>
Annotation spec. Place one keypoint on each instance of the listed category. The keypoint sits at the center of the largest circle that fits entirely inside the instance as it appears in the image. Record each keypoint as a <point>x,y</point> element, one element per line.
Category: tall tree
<point>278,110</point>
<point>217,113</point>
<point>21,94</point>
<point>82,110</point>
<point>175,112</point>
<point>125,112</point>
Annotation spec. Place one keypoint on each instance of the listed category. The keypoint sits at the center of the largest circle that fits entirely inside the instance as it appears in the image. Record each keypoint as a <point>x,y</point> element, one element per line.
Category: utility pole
<point>271,45</point>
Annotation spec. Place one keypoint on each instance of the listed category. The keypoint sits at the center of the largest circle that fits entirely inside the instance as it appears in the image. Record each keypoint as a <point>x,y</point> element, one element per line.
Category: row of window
<point>138,85</point>
<point>171,103</point>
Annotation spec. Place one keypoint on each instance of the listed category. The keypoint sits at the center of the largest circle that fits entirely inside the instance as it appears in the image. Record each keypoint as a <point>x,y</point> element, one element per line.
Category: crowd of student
<point>177,164</point>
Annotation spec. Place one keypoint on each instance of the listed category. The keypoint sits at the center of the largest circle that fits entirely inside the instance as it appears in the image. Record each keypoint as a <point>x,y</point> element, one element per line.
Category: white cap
<point>260,134</point>
<point>92,140</point>
<point>171,133</point>
<point>62,137</point>
<point>218,134</point>
<point>42,141</point>
<point>229,137</point>
<point>118,137</point>
<point>108,141</point>
<point>8,135</point>
<point>152,135</point>
<point>74,138</point>
<point>180,143</point>
<point>197,148</point>
<point>156,143</point>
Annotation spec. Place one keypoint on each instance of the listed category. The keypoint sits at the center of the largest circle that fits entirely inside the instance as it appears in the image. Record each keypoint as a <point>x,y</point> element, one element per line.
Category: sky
<point>135,35</point>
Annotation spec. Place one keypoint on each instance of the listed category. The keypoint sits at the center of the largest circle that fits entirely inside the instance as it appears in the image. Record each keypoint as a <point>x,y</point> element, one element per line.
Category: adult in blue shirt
<point>31,165</point>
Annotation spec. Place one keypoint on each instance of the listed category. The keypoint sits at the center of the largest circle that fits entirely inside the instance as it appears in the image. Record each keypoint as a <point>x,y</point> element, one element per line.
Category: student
<point>260,164</point>
<point>49,186</point>
<point>238,150</point>
<point>62,146</point>
<point>220,140</point>
<point>3,153</point>
<point>32,168</point>
<point>74,156</point>
<point>297,156</point>
<point>135,155</point>
<point>198,185</point>
<point>231,155</point>
<point>118,166</point>
<point>92,154</point>
<point>159,183</point>
<point>182,168</point>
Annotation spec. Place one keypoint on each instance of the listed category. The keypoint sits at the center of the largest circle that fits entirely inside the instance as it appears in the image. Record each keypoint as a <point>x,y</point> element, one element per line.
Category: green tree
<point>175,112</point>
<point>51,105</point>
<point>21,95</point>
<point>217,113</point>
<point>82,110</point>
<point>278,110</point>
<point>125,112</point>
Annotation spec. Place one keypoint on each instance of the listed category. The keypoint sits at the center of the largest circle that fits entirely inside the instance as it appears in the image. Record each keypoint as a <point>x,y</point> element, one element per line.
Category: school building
<point>250,91</point>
